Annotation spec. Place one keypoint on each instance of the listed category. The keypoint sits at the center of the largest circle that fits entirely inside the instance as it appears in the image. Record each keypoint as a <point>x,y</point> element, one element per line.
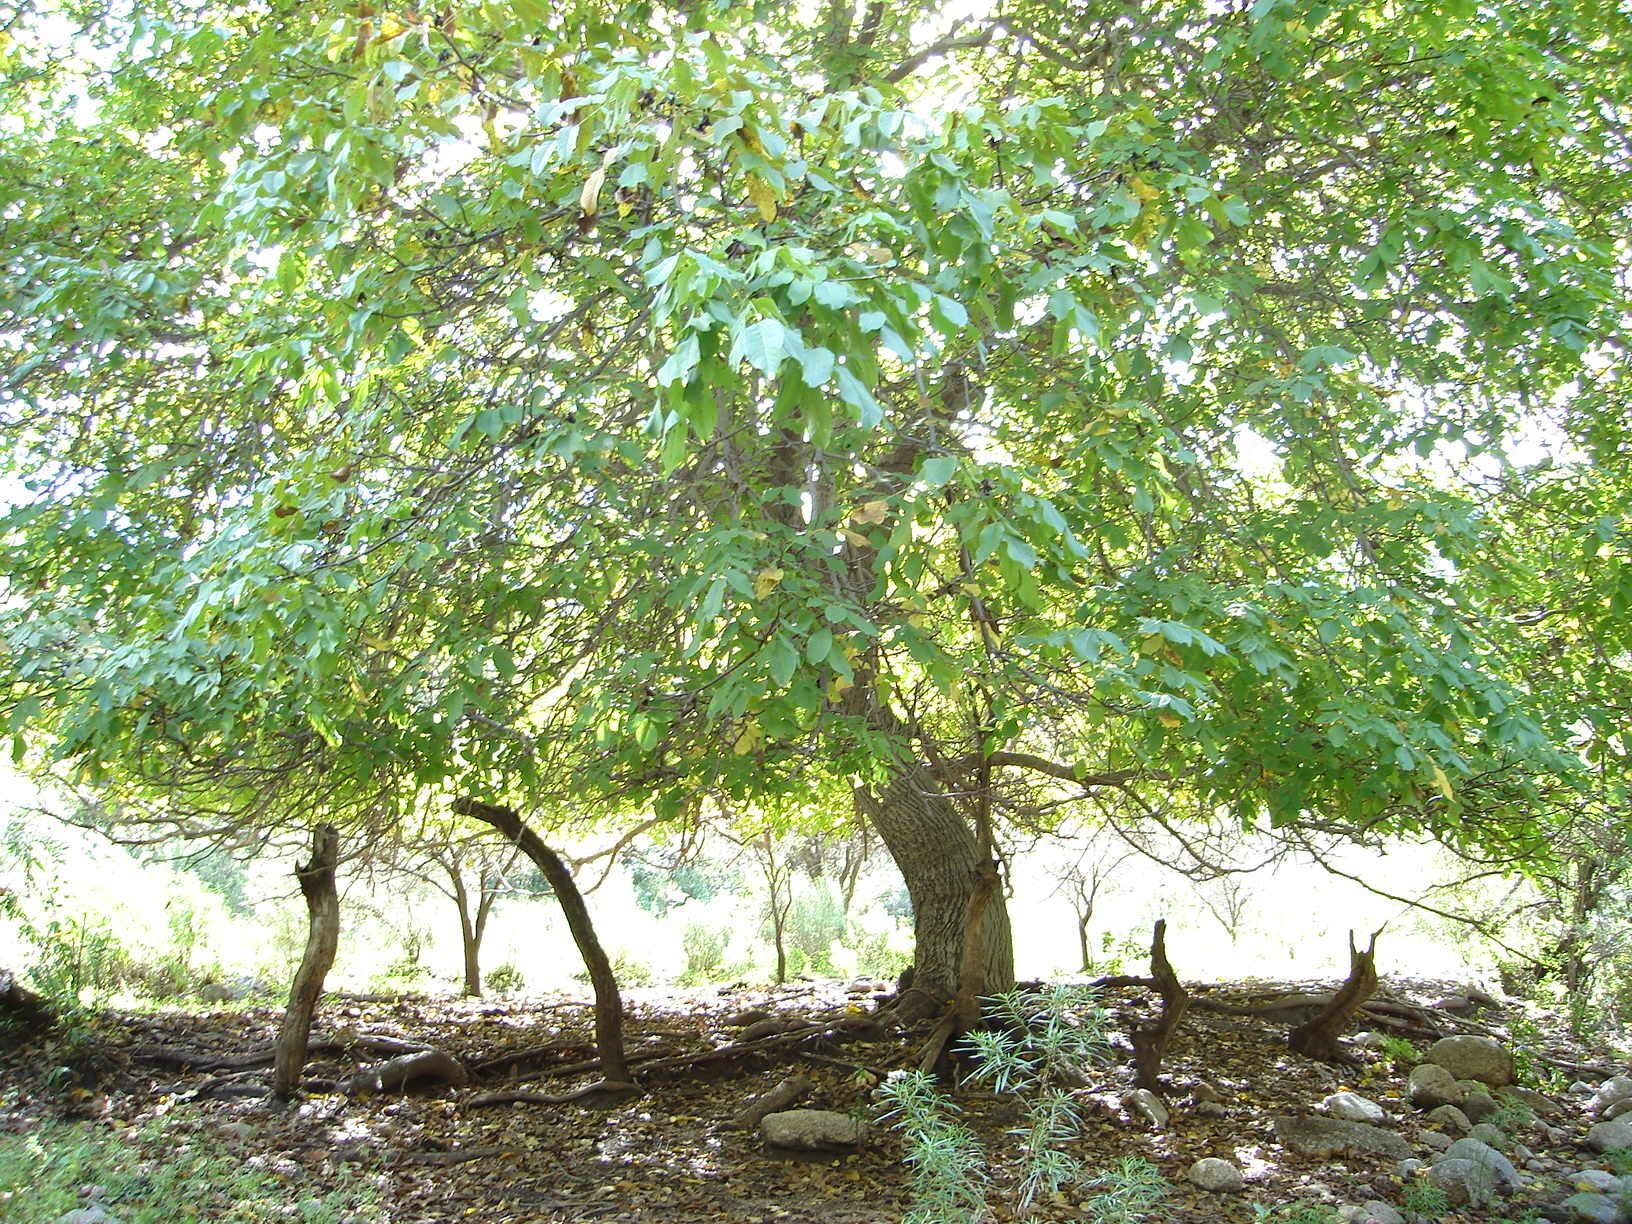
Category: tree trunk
<point>470,930</point>
<point>940,860</point>
<point>1319,1037</point>
<point>608,1004</point>
<point>1150,1043</point>
<point>322,939</point>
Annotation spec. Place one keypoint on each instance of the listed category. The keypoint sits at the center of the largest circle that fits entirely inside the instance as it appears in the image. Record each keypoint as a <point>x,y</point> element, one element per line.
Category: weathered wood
<point>1318,1036</point>
<point>608,1003</point>
<point>322,939</point>
<point>794,1088</point>
<point>398,1073</point>
<point>1150,1043</point>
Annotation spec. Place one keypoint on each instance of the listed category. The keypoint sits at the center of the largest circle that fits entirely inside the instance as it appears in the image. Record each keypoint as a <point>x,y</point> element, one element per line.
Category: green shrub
<point>162,1172</point>
<point>504,979</point>
<point>1426,1199</point>
<point>704,947</point>
<point>1129,1191</point>
<point>1035,1042</point>
<point>1619,1161</point>
<point>1399,1051</point>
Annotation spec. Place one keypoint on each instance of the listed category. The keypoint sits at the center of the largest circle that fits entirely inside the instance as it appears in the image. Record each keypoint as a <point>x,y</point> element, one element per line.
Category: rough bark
<point>1150,1043</point>
<point>608,1003</point>
<point>322,939</point>
<point>1318,1037</point>
<point>940,860</point>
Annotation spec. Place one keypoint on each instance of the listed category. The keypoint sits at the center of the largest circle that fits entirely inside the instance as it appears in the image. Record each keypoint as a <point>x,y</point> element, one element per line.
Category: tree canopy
<point>643,403</point>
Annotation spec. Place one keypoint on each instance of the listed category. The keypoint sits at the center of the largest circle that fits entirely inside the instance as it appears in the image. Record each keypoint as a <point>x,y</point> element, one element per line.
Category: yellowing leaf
<point>1143,188</point>
<point>589,199</point>
<point>838,686</point>
<point>856,539</point>
<point>917,620</point>
<point>1443,783</point>
<point>747,740</point>
<point>766,581</point>
<point>872,512</point>
<point>1154,644</point>
<point>759,191</point>
<point>1168,719</point>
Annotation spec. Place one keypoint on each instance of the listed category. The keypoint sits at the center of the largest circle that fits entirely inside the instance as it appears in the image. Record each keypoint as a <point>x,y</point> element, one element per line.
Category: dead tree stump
<point>1150,1043</point>
<point>1318,1037</point>
<point>322,939</point>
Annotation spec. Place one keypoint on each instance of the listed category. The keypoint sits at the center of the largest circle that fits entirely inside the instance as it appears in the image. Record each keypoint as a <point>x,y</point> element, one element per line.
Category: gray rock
<point>1352,1107</point>
<point>1580,1088</point>
<point>1586,1207</point>
<point>1450,1118</point>
<point>812,1130</point>
<point>1435,1140</point>
<point>1616,1108</point>
<point>94,1214</point>
<point>1616,1088</point>
<point>1521,1153</point>
<point>1501,1168</point>
<point>1333,1136</point>
<point>1216,1176</point>
<point>1469,1057</point>
<point>1206,1093</point>
<point>1613,1134</point>
<point>1429,1085</point>
<point>1493,1135</point>
<point>1464,1181</point>
<point>1599,1180</point>
<point>1407,1169</point>
<point>1144,1103</point>
<point>1212,1109</point>
<point>1478,1105</point>
<point>1381,1213</point>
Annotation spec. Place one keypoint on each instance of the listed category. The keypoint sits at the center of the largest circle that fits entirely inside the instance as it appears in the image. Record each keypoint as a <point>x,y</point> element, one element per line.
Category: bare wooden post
<point>322,939</point>
<point>1150,1044</point>
<point>608,1003</point>
<point>1318,1037</point>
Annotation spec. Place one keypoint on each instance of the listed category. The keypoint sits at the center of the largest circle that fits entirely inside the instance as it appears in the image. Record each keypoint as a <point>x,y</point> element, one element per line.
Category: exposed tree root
<point>794,1088</point>
<point>611,1088</point>
<point>339,1043</point>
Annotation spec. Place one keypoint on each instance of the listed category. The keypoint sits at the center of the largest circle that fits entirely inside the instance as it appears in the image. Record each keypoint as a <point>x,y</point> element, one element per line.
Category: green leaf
<point>819,645</point>
<point>856,394</point>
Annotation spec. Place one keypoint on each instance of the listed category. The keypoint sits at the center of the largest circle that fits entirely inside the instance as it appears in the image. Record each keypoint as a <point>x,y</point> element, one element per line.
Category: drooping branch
<point>608,1003</point>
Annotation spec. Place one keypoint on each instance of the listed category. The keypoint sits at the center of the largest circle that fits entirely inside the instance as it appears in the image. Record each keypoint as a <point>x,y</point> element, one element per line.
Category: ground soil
<point>670,1154</point>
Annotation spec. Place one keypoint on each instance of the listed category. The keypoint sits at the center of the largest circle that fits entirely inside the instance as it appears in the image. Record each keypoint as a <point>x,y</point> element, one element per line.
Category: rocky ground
<point>1243,1127</point>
